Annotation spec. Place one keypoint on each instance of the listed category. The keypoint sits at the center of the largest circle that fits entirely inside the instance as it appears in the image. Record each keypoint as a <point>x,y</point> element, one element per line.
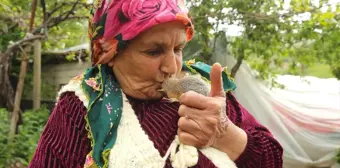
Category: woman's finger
<point>189,139</point>
<point>189,112</point>
<point>216,81</point>
<point>207,121</point>
<point>193,99</point>
<point>191,126</point>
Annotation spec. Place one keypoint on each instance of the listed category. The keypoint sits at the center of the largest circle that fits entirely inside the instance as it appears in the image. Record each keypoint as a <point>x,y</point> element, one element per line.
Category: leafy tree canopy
<point>297,32</point>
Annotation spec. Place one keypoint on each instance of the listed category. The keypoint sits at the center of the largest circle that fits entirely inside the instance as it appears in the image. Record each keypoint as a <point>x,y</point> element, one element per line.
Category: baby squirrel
<point>174,87</point>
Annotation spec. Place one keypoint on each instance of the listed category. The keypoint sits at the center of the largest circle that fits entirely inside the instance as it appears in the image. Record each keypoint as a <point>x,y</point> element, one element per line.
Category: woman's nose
<point>170,64</point>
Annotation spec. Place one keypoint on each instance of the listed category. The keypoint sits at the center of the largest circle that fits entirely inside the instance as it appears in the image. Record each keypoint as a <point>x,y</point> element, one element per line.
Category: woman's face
<point>149,59</point>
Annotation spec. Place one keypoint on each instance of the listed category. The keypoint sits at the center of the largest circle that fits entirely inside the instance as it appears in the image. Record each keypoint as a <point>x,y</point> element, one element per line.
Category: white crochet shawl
<point>133,148</point>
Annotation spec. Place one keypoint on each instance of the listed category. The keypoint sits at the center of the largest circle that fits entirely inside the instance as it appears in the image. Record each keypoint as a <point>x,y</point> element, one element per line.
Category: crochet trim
<point>74,86</point>
<point>133,147</point>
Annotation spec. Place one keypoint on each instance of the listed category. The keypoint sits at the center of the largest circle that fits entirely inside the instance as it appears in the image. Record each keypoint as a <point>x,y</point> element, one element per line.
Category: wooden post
<point>20,86</point>
<point>37,75</point>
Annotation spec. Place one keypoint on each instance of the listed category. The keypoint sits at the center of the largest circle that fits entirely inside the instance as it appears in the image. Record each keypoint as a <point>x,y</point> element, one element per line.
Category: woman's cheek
<point>179,63</point>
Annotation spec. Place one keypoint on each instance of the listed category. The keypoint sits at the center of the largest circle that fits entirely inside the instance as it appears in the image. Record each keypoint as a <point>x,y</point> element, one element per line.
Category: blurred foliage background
<point>20,152</point>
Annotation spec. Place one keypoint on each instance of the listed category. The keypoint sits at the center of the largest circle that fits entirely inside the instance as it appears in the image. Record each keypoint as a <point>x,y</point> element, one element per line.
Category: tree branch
<point>53,21</point>
<point>65,19</point>
<point>57,8</point>
<point>19,43</point>
<point>43,6</point>
<point>72,9</point>
<point>58,21</point>
<point>217,33</point>
<point>86,5</point>
<point>60,53</point>
<point>236,66</point>
<point>34,7</point>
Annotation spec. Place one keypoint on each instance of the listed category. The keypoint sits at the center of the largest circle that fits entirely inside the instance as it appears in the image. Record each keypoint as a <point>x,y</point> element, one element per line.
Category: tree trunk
<point>37,75</point>
<point>236,66</point>
<point>6,91</point>
<point>17,101</point>
<point>20,85</point>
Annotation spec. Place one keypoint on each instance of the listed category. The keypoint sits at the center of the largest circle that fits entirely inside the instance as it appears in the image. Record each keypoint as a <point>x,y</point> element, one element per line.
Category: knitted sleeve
<point>64,141</point>
<point>262,150</point>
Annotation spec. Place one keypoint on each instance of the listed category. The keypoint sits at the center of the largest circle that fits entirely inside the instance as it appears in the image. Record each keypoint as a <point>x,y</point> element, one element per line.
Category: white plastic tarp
<point>304,117</point>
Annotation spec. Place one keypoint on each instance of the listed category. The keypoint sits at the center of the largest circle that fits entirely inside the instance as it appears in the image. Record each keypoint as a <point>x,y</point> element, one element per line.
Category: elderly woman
<point>114,114</point>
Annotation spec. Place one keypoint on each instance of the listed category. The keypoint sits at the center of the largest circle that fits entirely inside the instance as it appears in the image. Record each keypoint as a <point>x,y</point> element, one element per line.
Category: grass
<point>320,71</point>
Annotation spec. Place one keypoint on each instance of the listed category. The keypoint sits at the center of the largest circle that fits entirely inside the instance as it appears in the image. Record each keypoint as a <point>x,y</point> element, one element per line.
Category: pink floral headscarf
<point>115,22</point>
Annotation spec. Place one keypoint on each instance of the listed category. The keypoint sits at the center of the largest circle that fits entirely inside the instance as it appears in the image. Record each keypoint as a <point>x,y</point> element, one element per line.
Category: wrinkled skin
<point>154,56</point>
<point>149,59</point>
<point>205,114</point>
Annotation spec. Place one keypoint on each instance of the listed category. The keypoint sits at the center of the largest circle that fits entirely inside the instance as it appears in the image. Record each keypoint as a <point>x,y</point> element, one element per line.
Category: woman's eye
<point>178,50</point>
<point>154,52</point>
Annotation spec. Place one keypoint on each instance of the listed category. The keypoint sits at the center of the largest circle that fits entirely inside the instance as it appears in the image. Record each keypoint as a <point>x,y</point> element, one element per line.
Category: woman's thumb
<point>216,81</point>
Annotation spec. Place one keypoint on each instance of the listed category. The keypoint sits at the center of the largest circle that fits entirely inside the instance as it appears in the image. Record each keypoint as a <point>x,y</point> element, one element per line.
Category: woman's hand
<point>203,121</point>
